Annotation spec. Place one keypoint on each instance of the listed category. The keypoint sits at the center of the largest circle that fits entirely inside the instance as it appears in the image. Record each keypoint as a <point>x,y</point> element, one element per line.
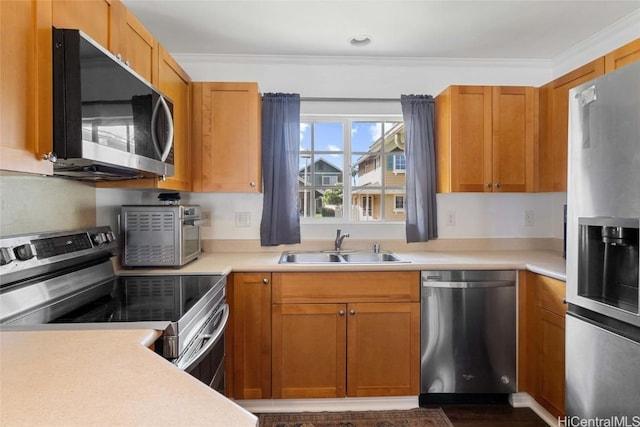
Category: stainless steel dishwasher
<point>468,335</point>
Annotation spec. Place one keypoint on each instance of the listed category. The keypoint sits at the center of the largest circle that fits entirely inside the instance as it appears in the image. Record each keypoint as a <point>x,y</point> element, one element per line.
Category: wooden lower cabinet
<point>347,342</point>
<point>551,361</point>
<point>309,350</point>
<point>249,336</point>
<point>542,340</point>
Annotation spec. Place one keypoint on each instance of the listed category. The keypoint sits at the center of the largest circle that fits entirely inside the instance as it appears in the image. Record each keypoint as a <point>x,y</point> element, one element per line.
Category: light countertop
<point>542,262</point>
<point>76,377</point>
<point>102,378</point>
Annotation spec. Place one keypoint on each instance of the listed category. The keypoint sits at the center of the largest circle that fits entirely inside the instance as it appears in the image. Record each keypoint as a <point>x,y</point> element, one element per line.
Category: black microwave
<point>108,122</point>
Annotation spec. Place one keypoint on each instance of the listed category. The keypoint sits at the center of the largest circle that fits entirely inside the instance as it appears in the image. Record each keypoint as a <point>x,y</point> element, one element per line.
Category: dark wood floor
<point>490,415</point>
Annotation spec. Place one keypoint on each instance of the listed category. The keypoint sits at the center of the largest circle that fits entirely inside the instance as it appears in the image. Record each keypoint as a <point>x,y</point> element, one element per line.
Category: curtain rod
<point>322,99</point>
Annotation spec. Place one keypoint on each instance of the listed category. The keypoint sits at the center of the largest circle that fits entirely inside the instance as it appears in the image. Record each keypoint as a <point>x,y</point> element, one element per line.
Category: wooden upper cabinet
<point>25,87</point>
<point>134,44</point>
<point>554,125</point>
<point>622,56</point>
<point>93,18</point>
<point>515,128</point>
<point>226,137</point>
<point>485,138</point>
<point>175,83</point>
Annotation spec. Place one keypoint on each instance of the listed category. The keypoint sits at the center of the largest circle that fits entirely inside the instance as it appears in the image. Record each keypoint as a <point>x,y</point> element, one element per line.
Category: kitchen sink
<point>309,257</point>
<point>364,257</point>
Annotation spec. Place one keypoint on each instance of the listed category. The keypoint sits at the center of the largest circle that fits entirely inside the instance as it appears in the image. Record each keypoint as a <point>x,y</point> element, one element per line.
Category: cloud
<point>375,129</point>
<point>333,148</point>
<point>303,129</point>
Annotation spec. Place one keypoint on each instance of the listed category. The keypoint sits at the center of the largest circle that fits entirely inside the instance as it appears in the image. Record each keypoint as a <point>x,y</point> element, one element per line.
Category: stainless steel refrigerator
<point>603,215</point>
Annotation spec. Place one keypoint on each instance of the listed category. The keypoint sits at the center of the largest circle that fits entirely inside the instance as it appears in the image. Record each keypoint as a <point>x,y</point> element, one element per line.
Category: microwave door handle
<point>169,145</point>
<point>154,121</point>
<point>154,136</point>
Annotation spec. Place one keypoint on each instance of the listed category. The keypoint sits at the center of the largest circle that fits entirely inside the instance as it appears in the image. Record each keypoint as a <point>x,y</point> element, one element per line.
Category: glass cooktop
<point>144,298</point>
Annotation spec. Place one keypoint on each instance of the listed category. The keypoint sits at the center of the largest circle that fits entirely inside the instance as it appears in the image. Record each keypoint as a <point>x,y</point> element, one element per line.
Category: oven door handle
<point>212,339</point>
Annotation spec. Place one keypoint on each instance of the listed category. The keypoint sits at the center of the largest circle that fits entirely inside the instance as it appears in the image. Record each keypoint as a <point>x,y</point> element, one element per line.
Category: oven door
<point>190,246</point>
<point>204,356</point>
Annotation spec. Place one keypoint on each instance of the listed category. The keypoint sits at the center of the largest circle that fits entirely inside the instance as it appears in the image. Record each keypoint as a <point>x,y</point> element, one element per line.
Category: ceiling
<point>507,29</point>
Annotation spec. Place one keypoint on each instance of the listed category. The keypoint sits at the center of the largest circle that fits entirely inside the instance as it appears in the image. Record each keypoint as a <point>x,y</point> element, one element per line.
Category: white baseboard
<point>524,400</point>
<point>344,404</point>
<point>257,406</point>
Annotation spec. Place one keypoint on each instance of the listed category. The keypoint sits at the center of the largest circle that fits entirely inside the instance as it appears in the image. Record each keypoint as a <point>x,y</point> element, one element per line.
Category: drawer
<point>550,294</point>
<point>345,287</point>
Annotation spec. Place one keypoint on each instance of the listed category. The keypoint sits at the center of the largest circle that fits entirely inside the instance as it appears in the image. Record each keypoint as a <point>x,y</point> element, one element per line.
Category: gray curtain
<point>280,150</point>
<point>418,112</point>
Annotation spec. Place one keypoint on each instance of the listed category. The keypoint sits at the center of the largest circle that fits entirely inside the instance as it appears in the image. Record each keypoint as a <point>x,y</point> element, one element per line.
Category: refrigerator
<point>603,215</point>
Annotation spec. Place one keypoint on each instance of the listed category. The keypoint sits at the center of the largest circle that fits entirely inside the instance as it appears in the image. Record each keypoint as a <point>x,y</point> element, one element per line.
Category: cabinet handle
<point>497,185</point>
<point>252,184</point>
<point>564,300</point>
<point>352,312</point>
<point>489,185</point>
<point>341,312</point>
<point>265,281</point>
<point>51,156</point>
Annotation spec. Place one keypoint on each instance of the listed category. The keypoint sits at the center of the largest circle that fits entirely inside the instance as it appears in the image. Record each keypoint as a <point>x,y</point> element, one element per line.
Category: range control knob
<point>110,236</point>
<point>24,252</point>
<point>99,238</point>
<point>6,256</point>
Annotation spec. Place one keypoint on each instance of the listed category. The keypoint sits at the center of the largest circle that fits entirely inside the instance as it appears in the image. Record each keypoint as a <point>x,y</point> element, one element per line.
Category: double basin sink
<point>322,257</point>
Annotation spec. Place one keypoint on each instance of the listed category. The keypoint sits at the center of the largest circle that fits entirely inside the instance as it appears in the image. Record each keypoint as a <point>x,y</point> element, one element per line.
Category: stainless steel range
<point>66,280</point>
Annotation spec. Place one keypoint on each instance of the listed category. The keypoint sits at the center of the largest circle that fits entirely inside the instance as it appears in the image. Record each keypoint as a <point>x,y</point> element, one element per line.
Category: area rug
<point>418,417</point>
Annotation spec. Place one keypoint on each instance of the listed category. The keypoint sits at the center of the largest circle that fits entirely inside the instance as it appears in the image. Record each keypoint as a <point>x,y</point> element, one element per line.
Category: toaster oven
<point>160,235</point>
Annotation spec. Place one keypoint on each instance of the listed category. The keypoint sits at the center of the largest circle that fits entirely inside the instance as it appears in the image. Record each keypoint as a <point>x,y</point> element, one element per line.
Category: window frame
<point>347,120</point>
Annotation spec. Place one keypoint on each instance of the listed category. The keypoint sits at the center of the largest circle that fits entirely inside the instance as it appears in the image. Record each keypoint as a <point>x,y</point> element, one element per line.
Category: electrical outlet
<point>451,218</point>
<point>243,219</point>
<point>206,216</point>
<point>529,220</point>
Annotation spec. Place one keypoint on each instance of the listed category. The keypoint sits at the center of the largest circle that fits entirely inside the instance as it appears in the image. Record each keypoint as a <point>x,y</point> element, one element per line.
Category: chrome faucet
<point>339,238</point>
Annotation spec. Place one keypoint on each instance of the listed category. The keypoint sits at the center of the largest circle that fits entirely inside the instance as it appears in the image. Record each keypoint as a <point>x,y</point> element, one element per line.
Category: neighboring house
<point>326,175</point>
<point>374,173</point>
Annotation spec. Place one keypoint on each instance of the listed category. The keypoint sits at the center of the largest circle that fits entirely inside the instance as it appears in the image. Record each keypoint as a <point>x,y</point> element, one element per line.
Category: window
<point>399,204</point>
<point>349,169</point>
<point>399,163</point>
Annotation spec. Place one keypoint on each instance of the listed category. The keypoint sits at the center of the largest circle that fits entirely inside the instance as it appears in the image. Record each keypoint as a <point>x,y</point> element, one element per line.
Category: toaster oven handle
<point>195,222</point>
<point>154,136</point>
<point>209,341</point>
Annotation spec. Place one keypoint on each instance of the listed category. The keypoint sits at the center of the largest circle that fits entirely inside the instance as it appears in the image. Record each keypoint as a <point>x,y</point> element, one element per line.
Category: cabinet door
<point>91,17</point>
<point>226,137</point>
<point>136,45</point>
<point>464,139</point>
<point>383,349</point>
<point>309,350</point>
<point>622,56</point>
<point>551,361</point>
<point>175,83</point>
<point>554,136</point>
<point>25,87</point>
<point>250,346</point>
<point>514,129</point>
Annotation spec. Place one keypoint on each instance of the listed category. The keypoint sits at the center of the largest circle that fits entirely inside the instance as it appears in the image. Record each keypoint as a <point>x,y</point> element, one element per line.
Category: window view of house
<point>352,169</point>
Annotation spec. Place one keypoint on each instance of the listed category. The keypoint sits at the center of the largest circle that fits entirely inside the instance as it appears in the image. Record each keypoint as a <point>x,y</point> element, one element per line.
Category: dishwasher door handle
<point>465,285</point>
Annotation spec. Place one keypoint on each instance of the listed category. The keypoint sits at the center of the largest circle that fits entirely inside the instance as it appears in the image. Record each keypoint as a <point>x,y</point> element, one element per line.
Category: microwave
<point>108,122</point>
<point>160,235</point>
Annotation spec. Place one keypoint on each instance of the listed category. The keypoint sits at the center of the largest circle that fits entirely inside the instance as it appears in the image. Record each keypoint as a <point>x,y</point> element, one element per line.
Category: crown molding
<point>612,37</point>
<point>195,58</point>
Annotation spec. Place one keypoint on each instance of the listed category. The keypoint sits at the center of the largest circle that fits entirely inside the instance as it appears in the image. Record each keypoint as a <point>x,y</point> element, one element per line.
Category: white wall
<point>33,203</point>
